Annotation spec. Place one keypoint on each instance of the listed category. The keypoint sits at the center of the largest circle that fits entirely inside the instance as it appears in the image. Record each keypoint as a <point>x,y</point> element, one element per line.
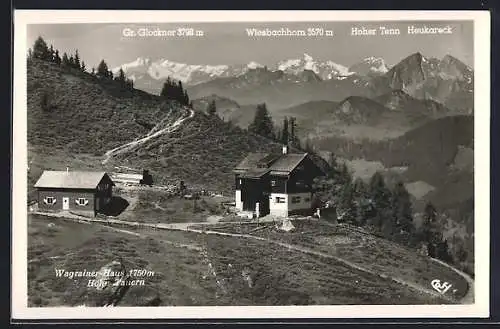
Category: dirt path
<point>152,134</point>
<point>325,255</point>
<point>186,228</point>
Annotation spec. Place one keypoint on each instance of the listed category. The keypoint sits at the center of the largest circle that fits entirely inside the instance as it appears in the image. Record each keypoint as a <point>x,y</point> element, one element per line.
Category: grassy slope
<point>150,206</point>
<point>182,276</point>
<point>363,249</point>
<point>90,117</point>
<point>202,152</point>
<point>81,246</point>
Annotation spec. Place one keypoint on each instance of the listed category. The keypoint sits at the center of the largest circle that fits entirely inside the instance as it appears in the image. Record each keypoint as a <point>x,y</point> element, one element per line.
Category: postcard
<point>259,164</point>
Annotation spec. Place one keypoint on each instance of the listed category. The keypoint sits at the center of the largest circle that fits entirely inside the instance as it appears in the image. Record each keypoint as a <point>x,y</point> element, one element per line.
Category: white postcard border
<point>481,160</point>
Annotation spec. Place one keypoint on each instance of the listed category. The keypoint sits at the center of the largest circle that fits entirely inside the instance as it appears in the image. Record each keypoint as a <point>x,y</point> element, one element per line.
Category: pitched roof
<point>257,164</point>
<point>70,179</point>
<point>287,163</point>
<point>255,173</point>
<point>256,160</point>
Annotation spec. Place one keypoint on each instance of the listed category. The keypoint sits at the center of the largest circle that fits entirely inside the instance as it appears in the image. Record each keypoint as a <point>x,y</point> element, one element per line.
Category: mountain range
<point>387,116</point>
<point>146,72</point>
<point>294,81</point>
<point>447,81</point>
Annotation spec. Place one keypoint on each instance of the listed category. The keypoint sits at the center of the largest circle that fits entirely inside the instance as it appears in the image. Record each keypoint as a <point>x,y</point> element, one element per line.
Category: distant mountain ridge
<point>370,66</point>
<point>143,69</point>
<point>387,116</point>
<point>447,81</point>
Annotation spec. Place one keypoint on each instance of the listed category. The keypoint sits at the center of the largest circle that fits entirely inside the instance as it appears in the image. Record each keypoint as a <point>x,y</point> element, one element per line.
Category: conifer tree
<point>83,68</point>
<point>362,201</point>
<point>30,55</point>
<point>180,92</point>
<point>402,210</point>
<point>102,69</point>
<point>461,252</point>
<point>346,209</point>
<point>212,108</point>
<point>77,60</point>
<point>284,132</point>
<point>172,90</point>
<point>292,131</point>
<point>65,60</point>
<point>380,200</point>
<point>57,58</point>
<point>51,54</point>
<point>167,89</point>
<point>443,252</point>
<point>431,232</point>
<point>121,77</point>
<point>40,49</point>
<point>262,124</point>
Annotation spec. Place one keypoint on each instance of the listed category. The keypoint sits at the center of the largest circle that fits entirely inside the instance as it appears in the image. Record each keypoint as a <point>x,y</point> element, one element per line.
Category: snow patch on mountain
<point>370,66</point>
<point>187,73</point>
<point>253,65</point>
<point>325,70</point>
<point>140,62</point>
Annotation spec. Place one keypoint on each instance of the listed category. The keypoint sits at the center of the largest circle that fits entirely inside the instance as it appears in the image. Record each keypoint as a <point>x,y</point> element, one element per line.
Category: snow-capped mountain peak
<point>308,58</point>
<point>192,74</point>
<point>143,61</point>
<point>254,65</point>
<point>325,70</point>
<point>140,62</point>
<point>189,73</point>
<point>370,66</point>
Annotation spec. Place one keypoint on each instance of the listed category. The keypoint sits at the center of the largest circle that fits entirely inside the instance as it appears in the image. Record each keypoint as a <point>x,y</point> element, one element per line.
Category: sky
<point>229,43</point>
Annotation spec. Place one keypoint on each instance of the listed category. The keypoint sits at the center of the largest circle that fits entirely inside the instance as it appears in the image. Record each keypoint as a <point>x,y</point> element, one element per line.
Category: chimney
<point>285,149</point>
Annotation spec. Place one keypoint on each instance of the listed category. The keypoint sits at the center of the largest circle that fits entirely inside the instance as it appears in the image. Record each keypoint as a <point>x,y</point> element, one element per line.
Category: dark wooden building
<point>83,192</point>
<point>276,184</point>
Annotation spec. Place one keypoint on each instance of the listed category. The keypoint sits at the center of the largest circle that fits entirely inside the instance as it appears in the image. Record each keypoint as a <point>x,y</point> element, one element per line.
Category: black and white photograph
<point>237,164</point>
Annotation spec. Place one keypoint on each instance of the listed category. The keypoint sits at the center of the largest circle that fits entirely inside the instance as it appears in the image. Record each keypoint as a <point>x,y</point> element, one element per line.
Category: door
<point>65,203</point>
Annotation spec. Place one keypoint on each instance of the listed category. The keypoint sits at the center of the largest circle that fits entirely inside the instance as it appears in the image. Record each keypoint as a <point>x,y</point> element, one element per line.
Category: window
<point>82,201</point>
<point>273,183</point>
<point>50,200</point>
<point>296,199</point>
<point>240,181</point>
<point>280,200</point>
<point>307,199</point>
